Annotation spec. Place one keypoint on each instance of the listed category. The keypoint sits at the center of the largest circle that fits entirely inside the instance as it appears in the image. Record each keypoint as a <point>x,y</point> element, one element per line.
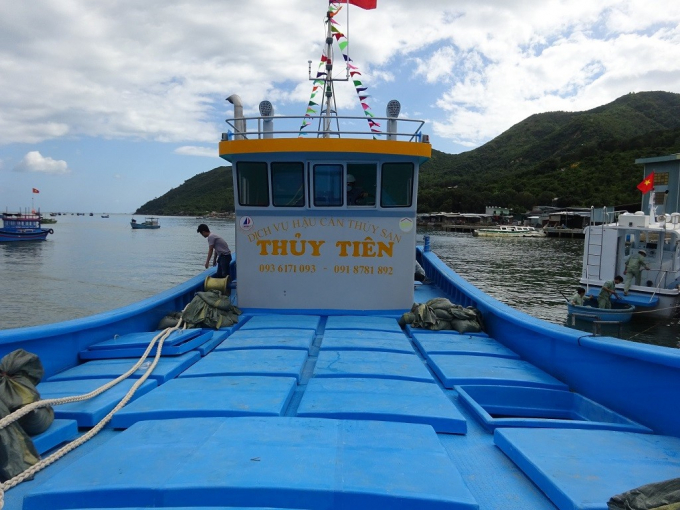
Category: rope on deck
<point>43,463</point>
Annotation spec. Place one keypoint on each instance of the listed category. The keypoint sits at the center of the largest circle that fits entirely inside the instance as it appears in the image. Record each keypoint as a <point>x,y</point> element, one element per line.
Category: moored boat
<point>619,312</point>
<point>317,397</point>
<point>614,236</point>
<point>508,231</point>
<point>149,222</point>
<point>22,227</point>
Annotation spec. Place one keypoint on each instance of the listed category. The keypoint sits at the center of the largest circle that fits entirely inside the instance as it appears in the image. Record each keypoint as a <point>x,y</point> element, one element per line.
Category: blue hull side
<point>637,380</point>
<point>23,236</point>
<point>58,344</point>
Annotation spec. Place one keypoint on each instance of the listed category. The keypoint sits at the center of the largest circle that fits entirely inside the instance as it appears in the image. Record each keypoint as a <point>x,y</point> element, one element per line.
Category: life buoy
<point>50,231</point>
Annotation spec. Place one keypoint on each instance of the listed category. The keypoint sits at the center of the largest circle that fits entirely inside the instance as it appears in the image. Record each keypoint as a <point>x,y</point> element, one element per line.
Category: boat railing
<point>661,277</point>
<point>297,126</point>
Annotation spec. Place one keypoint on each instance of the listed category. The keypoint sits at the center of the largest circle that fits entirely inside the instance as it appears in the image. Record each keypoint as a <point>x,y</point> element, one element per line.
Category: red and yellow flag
<point>647,184</point>
<point>364,4</point>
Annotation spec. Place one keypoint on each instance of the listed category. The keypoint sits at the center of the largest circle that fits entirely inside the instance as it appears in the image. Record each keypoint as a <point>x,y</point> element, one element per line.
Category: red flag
<point>647,184</point>
<point>364,4</point>
<point>36,191</point>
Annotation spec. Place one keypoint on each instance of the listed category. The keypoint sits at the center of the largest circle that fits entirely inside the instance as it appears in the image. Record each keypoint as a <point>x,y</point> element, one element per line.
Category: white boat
<point>508,231</point>
<point>609,244</point>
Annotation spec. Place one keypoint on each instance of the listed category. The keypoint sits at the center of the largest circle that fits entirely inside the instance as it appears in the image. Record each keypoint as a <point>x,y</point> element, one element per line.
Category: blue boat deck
<point>286,411</point>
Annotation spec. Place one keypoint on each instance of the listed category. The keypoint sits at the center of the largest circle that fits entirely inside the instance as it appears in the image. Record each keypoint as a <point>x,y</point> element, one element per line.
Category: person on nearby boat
<point>419,275</point>
<point>604,299</point>
<point>634,266</point>
<point>354,192</point>
<point>218,250</point>
<point>580,297</point>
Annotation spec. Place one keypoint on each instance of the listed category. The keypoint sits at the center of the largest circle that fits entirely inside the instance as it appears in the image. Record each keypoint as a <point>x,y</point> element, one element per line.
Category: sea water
<point>93,264</point>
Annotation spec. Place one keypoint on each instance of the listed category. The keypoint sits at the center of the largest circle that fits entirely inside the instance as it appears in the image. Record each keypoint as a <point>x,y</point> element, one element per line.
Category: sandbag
<point>210,310</point>
<point>170,320</point>
<point>440,314</point>
<point>654,496</point>
<point>17,452</point>
<point>20,372</point>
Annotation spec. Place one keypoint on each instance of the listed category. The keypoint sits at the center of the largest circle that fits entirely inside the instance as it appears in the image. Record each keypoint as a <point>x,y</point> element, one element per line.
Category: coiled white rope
<point>43,463</point>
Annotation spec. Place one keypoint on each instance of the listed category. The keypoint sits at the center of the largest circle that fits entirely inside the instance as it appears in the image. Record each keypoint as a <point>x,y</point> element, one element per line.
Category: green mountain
<point>202,194</point>
<point>579,158</point>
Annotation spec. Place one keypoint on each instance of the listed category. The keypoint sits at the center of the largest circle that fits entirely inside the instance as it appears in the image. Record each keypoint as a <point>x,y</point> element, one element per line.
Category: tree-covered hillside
<point>200,195</point>
<point>579,158</point>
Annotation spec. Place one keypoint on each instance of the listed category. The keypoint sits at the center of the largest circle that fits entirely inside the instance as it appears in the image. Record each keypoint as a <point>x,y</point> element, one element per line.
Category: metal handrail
<point>412,136</point>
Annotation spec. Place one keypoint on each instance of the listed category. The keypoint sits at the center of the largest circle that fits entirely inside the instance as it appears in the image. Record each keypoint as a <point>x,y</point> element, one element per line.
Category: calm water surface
<point>93,264</point>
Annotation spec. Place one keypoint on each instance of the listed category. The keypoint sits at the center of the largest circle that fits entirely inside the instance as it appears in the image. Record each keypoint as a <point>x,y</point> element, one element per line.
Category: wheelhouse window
<point>253,188</point>
<point>362,182</point>
<point>396,185</point>
<point>288,184</point>
<point>328,181</point>
<point>661,179</point>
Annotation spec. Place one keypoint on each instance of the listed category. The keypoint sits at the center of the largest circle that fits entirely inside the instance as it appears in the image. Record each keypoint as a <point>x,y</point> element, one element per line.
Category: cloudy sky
<point>106,105</point>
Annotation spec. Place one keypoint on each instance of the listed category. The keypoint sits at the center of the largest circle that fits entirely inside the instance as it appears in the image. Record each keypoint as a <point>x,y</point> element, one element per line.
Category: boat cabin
<point>665,194</point>
<point>326,220</point>
<point>21,222</point>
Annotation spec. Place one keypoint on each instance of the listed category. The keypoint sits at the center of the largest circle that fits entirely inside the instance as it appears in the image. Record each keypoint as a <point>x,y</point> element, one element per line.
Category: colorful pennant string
<point>319,81</point>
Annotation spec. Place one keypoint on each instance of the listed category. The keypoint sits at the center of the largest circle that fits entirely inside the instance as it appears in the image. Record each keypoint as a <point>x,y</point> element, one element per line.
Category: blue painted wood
<point>582,469</point>
<point>217,338</point>
<point>388,324</point>
<point>354,340</point>
<point>272,362</point>
<point>461,369</point>
<point>61,431</point>
<point>455,343</point>
<point>282,321</point>
<point>131,352</point>
<point>300,339</point>
<point>382,399</point>
<point>87,413</point>
<point>143,339</point>
<point>421,331</point>
<point>267,462</point>
<point>166,369</point>
<point>210,396</point>
<point>516,406</point>
<point>385,365</point>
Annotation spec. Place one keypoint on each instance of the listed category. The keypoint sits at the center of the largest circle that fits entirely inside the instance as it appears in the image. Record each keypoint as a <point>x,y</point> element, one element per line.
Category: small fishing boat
<point>23,227</point>
<point>105,215</point>
<point>149,222</point>
<point>619,312</point>
<point>508,231</point>
<point>47,221</point>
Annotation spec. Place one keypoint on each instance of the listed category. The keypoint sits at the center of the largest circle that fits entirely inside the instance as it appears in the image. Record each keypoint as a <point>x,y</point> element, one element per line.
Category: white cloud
<point>36,162</point>
<point>189,150</point>
<point>161,70</point>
